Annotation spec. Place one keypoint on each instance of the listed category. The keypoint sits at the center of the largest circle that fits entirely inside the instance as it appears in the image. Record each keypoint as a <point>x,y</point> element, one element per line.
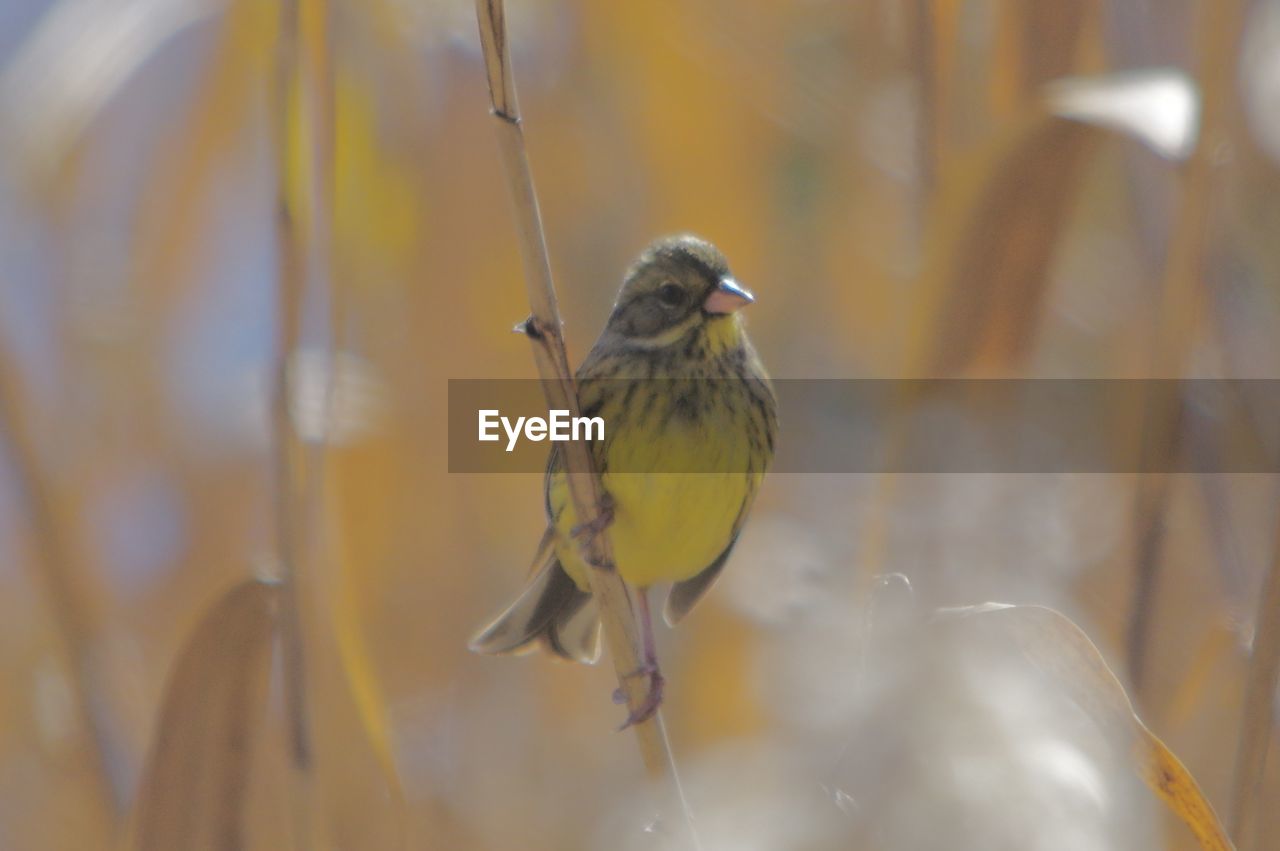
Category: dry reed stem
<point>55,573</point>
<point>1259,710</point>
<point>922,42</point>
<point>306,131</point>
<point>544,330</point>
<point>1177,315</point>
<point>305,93</point>
<point>291,277</point>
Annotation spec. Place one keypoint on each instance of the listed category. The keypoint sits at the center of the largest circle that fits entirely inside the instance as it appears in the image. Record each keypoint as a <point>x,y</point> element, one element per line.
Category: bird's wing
<point>544,550</point>
<point>555,468</point>
<point>684,595</point>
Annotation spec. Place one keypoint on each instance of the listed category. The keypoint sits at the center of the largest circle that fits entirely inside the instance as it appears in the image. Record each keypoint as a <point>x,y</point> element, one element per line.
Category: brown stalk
<point>923,46</point>
<point>543,328</point>
<point>1176,317</point>
<point>314,662</point>
<point>1259,711</point>
<point>304,96</point>
<point>1049,36</point>
<point>291,257</point>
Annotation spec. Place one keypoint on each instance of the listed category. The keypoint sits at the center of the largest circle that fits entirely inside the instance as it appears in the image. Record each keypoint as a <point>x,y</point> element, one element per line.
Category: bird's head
<point>678,284</point>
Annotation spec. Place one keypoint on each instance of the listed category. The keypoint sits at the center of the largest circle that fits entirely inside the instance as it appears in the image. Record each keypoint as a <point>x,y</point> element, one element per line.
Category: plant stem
<point>1177,314</point>
<point>544,330</point>
<point>1259,710</point>
<point>304,151</point>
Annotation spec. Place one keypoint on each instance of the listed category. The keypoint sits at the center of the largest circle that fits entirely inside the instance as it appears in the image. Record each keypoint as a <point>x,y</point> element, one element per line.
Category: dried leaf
<point>1173,783</point>
<point>193,789</point>
<point>1061,650</point>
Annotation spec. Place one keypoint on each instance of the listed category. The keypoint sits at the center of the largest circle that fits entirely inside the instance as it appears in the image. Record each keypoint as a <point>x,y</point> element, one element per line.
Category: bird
<point>690,422</point>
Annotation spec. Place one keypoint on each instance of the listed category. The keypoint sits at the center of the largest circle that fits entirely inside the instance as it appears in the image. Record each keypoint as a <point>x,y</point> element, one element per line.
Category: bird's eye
<point>670,294</point>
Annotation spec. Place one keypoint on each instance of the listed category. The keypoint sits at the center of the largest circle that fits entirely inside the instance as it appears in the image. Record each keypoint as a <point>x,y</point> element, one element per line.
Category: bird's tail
<point>551,610</point>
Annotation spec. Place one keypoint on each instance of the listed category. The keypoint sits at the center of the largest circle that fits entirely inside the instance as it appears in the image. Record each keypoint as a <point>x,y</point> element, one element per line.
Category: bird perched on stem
<point>690,421</point>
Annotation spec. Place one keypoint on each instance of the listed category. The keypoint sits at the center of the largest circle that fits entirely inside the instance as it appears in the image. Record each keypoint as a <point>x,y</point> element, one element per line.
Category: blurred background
<point>910,188</point>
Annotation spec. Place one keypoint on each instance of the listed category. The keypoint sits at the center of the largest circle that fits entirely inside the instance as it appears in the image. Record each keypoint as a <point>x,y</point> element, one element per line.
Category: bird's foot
<point>585,533</point>
<point>652,699</point>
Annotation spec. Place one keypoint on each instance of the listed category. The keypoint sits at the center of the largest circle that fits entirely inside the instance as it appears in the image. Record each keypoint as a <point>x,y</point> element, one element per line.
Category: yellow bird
<point>689,426</point>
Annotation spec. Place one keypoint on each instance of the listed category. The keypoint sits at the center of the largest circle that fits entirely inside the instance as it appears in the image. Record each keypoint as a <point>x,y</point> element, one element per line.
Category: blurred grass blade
<point>1050,39</point>
<point>1173,783</point>
<point>79,56</point>
<point>173,217</point>
<point>1063,652</point>
<point>376,213</point>
<point>323,399</point>
<point>1032,43</point>
<point>301,139</point>
<point>1259,711</point>
<point>59,575</point>
<point>995,239</point>
<point>1001,214</point>
<point>192,794</point>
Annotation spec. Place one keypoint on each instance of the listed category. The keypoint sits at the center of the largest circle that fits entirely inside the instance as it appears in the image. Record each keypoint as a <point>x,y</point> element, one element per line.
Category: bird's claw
<point>586,532</point>
<point>652,699</point>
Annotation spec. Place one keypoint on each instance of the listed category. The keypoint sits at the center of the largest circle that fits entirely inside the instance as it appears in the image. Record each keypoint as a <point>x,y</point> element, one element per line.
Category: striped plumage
<point>680,389</point>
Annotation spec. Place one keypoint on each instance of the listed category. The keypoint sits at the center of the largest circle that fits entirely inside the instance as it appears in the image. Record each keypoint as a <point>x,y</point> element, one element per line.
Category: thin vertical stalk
<point>1161,439</point>
<point>1176,316</point>
<point>290,285</point>
<point>922,41</point>
<point>543,328</point>
<point>921,45</point>
<point>1259,710</point>
<point>313,655</point>
<point>304,152</point>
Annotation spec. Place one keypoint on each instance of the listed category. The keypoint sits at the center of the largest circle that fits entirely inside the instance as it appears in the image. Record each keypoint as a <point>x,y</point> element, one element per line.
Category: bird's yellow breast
<point>668,525</point>
<point>682,456</point>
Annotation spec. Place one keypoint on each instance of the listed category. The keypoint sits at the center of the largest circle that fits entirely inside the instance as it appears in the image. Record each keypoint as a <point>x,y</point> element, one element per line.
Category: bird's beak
<point>727,297</point>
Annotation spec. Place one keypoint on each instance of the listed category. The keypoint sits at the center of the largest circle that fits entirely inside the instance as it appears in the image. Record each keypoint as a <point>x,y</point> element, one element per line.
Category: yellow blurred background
<point>896,182</point>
